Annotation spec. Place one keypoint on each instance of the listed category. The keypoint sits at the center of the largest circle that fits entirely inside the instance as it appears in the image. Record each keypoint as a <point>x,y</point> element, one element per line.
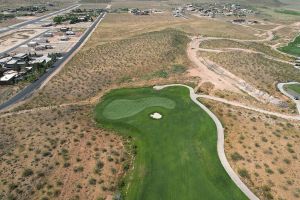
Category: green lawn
<point>292,48</point>
<point>288,12</point>
<point>294,87</point>
<point>176,155</point>
<point>121,108</point>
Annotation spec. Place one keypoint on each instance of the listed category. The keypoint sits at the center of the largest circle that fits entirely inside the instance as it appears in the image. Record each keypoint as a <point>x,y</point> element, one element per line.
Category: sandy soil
<point>17,37</point>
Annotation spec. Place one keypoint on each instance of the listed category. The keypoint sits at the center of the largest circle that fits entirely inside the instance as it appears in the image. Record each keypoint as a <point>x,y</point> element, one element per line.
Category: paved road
<point>29,90</point>
<point>19,25</point>
<point>220,143</point>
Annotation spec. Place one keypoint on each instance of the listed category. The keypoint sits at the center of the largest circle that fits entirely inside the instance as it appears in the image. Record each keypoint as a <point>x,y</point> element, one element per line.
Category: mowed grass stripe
<point>177,155</point>
<point>122,108</point>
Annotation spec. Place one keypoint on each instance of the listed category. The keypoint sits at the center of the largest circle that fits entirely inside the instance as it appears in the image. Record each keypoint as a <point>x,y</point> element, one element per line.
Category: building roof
<point>41,59</point>
<point>8,75</point>
<point>20,55</point>
<point>5,59</point>
<point>12,62</point>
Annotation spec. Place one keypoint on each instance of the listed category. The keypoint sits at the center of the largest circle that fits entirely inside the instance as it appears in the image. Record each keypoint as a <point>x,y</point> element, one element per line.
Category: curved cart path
<point>280,86</point>
<point>220,143</point>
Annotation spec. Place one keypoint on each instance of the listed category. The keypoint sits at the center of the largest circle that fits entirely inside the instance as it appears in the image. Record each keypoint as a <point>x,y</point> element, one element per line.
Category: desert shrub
<point>27,172</point>
<point>244,173</point>
<point>236,156</point>
<point>269,171</point>
<point>92,181</point>
<point>98,167</point>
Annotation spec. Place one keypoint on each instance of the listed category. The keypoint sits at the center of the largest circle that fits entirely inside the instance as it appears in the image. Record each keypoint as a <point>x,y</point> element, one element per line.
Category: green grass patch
<point>288,12</point>
<point>294,87</point>
<point>292,48</point>
<point>121,108</point>
<point>176,156</point>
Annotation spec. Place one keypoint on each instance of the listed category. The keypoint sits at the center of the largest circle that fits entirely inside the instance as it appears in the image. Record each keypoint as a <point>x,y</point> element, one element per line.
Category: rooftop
<point>8,75</point>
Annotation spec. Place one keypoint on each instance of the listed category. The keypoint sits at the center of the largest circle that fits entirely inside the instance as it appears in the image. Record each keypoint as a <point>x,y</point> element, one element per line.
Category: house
<point>47,25</point>
<point>70,33</point>
<point>40,40</point>
<point>4,60</point>
<point>8,77</point>
<point>64,38</point>
<point>40,60</point>
<point>83,18</point>
<point>40,47</point>
<point>64,29</point>
<point>32,44</point>
<point>11,64</point>
<point>49,46</point>
<point>21,57</point>
<point>48,34</point>
<point>22,73</point>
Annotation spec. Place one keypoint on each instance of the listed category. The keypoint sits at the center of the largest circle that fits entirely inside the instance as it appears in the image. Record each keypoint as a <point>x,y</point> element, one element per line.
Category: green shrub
<point>27,172</point>
<point>244,173</point>
<point>92,181</point>
<point>236,156</point>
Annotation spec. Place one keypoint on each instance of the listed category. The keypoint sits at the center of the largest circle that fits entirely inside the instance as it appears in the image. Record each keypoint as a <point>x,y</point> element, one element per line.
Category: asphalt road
<point>30,89</point>
<point>19,25</point>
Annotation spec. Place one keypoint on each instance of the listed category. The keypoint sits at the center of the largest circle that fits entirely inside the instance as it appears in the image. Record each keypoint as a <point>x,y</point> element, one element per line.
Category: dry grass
<point>254,46</point>
<point>95,69</point>
<point>264,150</point>
<point>54,154</point>
<point>257,70</point>
<point>120,26</point>
<point>8,91</point>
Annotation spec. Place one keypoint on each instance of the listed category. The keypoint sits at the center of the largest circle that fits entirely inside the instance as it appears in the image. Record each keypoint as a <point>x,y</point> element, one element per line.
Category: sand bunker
<point>156,115</point>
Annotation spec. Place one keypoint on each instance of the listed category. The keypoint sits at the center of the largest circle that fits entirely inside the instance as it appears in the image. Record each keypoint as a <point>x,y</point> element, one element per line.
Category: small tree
<point>58,19</point>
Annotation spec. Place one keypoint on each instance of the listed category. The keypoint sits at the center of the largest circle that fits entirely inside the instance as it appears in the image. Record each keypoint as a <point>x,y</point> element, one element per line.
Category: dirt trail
<point>220,77</point>
<point>204,72</point>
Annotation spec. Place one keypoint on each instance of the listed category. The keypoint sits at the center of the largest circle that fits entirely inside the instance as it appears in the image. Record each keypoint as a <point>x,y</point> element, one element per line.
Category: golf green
<point>176,155</point>
<point>292,48</point>
<point>122,108</point>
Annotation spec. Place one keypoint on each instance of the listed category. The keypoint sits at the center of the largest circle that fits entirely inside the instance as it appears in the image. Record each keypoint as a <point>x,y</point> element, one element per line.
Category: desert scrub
<point>91,71</point>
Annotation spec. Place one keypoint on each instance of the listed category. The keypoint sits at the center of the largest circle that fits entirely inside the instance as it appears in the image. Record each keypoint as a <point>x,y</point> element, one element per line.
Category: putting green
<point>122,108</point>
<point>177,155</point>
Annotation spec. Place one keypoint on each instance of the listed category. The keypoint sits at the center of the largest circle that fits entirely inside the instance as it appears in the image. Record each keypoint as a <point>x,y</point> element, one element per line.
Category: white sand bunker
<point>156,115</point>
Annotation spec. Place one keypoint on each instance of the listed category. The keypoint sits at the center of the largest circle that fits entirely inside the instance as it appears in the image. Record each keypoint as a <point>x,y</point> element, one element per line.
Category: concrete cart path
<point>280,86</point>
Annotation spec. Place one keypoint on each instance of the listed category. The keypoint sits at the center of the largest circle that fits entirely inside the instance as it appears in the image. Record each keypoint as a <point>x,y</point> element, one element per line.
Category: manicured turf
<point>292,48</point>
<point>176,155</point>
<point>122,108</point>
<point>294,87</point>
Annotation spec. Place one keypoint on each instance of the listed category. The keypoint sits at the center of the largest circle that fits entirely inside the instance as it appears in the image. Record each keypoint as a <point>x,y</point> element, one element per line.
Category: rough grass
<point>176,155</point>
<point>288,12</point>
<point>119,26</point>
<point>52,154</point>
<point>254,46</point>
<point>268,149</point>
